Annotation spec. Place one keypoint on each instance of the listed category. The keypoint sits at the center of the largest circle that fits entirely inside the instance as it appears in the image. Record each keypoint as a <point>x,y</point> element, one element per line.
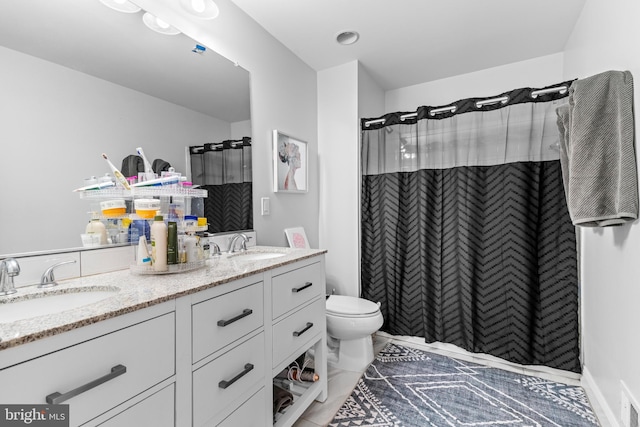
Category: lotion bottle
<point>96,226</point>
<point>159,244</point>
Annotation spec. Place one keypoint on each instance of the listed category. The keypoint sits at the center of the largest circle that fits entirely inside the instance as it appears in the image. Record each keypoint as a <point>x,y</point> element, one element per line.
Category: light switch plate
<point>265,209</point>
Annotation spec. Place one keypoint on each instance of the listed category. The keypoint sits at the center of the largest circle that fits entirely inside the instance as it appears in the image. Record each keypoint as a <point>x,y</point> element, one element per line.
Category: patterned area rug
<point>408,387</point>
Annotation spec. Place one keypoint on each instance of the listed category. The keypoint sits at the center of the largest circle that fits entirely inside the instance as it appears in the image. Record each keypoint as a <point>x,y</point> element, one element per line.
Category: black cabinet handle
<point>245,313</point>
<point>224,383</point>
<point>55,398</point>
<point>302,288</point>
<point>306,328</point>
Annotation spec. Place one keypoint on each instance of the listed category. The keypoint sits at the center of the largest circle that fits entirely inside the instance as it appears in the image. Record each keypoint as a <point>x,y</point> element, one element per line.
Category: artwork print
<point>290,164</point>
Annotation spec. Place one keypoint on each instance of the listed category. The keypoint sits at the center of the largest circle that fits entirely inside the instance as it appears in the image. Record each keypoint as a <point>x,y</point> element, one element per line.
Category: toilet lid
<point>341,304</point>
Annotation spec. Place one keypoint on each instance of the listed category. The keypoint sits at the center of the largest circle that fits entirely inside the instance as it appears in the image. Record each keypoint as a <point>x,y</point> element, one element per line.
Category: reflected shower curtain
<point>466,237</point>
<point>224,170</point>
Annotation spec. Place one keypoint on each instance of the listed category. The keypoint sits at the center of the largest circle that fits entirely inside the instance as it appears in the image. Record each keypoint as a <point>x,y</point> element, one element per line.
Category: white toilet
<point>350,323</point>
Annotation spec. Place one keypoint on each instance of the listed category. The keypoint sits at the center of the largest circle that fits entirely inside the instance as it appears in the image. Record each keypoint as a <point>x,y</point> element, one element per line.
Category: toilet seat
<point>346,306</point>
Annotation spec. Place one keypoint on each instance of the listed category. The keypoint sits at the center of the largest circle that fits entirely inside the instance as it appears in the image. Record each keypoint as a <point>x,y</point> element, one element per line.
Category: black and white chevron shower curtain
<point>224,170</point>
<point>466,237</point>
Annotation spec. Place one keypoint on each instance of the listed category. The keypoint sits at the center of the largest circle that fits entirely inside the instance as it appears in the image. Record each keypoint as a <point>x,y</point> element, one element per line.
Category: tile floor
<point>341,382</point>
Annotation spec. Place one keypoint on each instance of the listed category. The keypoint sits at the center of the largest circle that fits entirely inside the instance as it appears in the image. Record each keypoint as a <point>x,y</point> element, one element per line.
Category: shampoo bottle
<point>159,244</point>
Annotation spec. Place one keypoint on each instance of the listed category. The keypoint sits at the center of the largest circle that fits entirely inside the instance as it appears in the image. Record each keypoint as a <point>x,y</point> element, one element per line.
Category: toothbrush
<point>117,173</point>
<point>148,170</point>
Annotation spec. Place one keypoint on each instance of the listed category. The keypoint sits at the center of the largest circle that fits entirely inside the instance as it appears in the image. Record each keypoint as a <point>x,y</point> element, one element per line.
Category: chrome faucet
<point>234,239</point>
<point>47,280</point>
<point>9,268</point>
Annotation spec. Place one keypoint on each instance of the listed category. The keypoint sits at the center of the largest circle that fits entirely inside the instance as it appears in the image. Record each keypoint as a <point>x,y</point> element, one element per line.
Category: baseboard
<point>604,413</point>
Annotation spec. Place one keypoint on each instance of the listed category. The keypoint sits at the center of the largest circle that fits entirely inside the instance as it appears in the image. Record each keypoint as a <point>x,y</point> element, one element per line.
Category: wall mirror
<point>79,79</point>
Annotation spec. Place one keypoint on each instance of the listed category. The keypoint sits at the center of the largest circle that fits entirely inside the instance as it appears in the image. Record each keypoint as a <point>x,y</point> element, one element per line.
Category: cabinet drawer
<point>221,320</point>
<point>156,410</point>
<point>241,368</point>
<point>294,332</point>
<point>294,288</point>
<point>146,350</point>
<point>251,413</point>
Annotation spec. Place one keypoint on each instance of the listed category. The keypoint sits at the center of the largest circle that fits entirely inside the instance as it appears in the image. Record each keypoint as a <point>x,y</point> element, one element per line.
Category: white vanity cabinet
<point>129,359</point>
<point>205,357</point>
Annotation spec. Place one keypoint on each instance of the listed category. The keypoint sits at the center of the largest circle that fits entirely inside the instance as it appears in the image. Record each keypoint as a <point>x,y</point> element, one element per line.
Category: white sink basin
<point>257,256</point>
<point>50,303</point>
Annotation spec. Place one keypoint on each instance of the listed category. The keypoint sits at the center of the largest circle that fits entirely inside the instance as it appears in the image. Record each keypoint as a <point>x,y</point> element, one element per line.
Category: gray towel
<point>597,150</point>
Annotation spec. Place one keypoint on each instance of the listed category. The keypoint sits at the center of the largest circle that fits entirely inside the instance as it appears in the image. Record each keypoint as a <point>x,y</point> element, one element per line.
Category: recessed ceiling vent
<point>347,37</point>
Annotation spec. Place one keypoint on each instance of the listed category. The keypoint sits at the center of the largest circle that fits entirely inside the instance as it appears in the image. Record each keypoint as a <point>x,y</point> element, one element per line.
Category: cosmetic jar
<point>113,208</point>
<point>146,208</point>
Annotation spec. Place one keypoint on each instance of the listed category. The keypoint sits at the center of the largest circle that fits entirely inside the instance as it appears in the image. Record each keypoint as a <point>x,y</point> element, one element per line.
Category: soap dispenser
<point>96,226</point>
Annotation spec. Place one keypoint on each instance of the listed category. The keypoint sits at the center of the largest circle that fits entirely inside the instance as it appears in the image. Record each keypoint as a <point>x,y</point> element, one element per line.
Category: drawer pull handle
<point>224,383</point>
<point>245,313</point>
<point>302,288</point>
<point>306,328</point>
<point>55,398</point>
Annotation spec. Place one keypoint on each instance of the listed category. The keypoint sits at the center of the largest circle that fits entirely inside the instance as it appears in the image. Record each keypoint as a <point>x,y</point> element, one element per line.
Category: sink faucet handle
<point>9,268</point>
<point>47,279</point>
<point>234,238</point>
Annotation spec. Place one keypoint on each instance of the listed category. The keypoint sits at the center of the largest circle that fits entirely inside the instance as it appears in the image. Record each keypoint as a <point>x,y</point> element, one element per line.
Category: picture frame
<point>290,164</point>
<point>297,238</point>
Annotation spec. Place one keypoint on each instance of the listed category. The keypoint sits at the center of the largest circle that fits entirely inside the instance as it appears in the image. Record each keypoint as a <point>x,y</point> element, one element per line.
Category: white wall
<point>54,130</point>
<point>283,97</point>
<point>537,72</point>
<point>606,38</point>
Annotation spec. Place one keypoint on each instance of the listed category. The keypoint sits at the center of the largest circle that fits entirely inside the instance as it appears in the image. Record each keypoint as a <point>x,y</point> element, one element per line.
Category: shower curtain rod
<point>452,108</point>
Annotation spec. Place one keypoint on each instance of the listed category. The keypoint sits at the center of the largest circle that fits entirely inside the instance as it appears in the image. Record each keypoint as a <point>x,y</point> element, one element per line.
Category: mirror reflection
<point>79,79</point>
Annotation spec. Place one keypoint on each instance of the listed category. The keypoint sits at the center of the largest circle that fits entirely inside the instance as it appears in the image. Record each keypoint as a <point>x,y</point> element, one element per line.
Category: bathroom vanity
<point>195,349</point>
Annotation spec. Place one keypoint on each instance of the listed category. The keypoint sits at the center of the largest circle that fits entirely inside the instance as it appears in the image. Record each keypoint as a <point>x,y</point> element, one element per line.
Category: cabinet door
<point>250,414</point>
<point>219,321</point>
<point>156,410</point>
<point>100,373</point>
<point>219,384</point>
<point>294,333</point>
<point>294,288</point>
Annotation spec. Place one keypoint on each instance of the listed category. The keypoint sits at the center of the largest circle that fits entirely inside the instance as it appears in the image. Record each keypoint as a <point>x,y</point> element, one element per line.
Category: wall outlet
<point>629,407</point>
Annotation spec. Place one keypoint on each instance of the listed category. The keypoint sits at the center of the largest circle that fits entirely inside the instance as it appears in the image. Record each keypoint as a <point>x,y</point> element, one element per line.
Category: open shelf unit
<point>304,393</point>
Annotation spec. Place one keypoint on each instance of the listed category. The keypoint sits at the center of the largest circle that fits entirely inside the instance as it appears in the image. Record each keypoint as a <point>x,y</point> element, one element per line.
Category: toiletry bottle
<point>96,226</point>
<point>159,244</point>
<point>191,249</point>
<point>172,243</point>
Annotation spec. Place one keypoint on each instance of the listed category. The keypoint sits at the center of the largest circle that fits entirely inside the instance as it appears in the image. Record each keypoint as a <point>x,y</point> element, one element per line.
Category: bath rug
<point>409,387</point>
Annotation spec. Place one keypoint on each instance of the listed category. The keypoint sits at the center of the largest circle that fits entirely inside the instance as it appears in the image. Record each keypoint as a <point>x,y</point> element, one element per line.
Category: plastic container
<point>159,244</point>
<point>146,208</point>
<point>113,208</point>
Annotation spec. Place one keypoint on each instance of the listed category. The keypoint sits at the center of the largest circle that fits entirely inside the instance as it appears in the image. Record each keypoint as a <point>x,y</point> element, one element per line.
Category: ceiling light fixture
<point>203,9</point>
<point>121,6</point>
<point>158,25</point>
<point>347,37</point>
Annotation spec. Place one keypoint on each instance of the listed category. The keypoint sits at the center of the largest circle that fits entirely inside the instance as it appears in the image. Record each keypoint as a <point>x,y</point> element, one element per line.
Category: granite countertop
<point>135,291</point>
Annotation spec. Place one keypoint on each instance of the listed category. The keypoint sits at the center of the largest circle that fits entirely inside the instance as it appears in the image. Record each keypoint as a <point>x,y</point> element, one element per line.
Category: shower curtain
<point>466,237</point>
<point>224,170</point>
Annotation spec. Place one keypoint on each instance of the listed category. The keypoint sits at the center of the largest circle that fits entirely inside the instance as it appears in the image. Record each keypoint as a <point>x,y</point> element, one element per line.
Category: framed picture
<point>297,238</point>
<point>290,164</point>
